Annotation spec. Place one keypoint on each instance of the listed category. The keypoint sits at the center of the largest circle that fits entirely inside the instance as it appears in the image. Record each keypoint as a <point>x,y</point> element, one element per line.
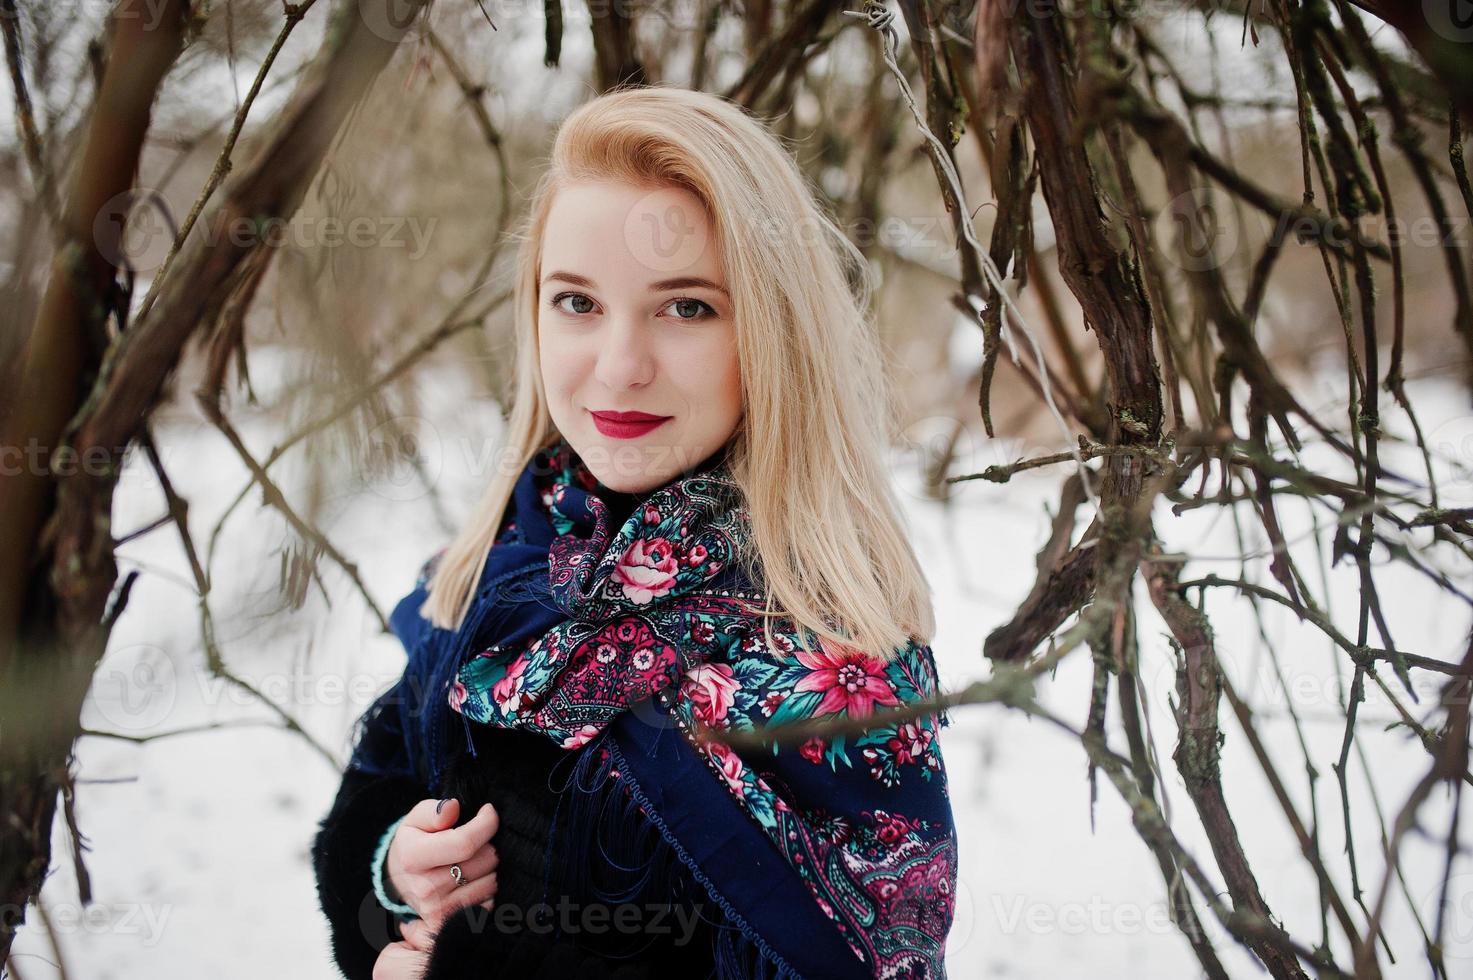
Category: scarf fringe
<point>738,958</point>
<point>486,618</point>
<point>603,824</point>
<point>603,819</point>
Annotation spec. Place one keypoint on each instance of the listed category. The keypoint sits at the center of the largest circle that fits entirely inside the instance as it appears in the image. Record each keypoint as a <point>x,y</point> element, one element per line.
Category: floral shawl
<point>653,632</point>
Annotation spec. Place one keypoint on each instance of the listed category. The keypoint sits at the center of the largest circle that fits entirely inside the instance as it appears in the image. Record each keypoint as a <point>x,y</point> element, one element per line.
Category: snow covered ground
<point>198,843</point>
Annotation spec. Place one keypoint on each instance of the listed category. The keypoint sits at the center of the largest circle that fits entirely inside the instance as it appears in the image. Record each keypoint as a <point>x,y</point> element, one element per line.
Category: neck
<point>621,505</point>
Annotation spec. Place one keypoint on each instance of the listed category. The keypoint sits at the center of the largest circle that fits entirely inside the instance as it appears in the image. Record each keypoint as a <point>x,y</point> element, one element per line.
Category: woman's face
<point>633,319</point>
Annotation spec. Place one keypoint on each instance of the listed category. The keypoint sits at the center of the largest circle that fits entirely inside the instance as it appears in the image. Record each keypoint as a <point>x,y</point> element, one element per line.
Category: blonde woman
<point>694,534</point>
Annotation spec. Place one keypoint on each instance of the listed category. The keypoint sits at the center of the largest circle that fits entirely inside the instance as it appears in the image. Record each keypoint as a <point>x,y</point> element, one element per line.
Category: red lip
<point>630,416</point>
<point>627,425</point>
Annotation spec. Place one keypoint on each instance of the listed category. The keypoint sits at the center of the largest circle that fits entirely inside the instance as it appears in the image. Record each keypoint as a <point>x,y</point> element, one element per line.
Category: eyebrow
<point>664,285</point>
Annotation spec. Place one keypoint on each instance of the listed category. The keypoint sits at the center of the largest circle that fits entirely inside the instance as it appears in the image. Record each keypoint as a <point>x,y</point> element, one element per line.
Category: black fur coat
<point>618,908</point>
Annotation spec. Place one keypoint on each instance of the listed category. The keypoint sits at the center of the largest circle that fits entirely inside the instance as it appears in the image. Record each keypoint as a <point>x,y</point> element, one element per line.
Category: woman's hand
<point>409,959</point>
<point>426,846</point>
<point>400,961</point>
<point>417,936</point>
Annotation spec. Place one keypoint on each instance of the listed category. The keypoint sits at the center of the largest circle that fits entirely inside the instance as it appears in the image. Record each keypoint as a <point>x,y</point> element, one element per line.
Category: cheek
<point>691,362</point>
<point>712,376</point>
<point>561,363</point>
<point>551,377</point>
<point>543,342</point>
<point>731,377</point>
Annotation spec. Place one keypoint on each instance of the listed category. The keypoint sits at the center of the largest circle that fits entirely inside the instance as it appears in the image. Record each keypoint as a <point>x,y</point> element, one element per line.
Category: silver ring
<point>457,874</point>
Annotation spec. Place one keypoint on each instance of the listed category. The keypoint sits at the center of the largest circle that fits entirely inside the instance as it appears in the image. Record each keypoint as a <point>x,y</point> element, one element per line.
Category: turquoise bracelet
<point>378,873</point>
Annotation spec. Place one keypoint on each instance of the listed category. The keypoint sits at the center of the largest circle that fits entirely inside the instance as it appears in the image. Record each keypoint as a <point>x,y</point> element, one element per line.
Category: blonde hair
<point>809,454</point>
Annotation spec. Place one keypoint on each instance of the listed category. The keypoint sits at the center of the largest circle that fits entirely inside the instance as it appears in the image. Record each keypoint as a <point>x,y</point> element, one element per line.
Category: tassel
<point>491,615</point>
<point>589,773</point>
<point>530,589</point>
<point>609,853</point>
<point>738,958</point>
<point>488,616</point>
<point>604,827</point>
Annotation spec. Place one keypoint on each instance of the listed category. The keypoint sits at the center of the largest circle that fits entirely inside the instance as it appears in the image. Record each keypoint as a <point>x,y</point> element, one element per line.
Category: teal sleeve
<point>379,891</point>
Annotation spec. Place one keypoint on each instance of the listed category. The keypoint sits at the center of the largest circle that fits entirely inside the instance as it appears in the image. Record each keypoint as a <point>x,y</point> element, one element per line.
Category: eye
<point>693,307</point>
<point>556,303</point>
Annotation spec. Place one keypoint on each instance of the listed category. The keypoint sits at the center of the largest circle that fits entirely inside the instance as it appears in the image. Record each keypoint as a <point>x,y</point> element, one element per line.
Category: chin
<point>625,466</point>
<point>625,482</point>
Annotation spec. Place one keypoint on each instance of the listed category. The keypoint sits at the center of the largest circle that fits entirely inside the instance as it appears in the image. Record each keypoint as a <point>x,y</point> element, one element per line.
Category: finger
<point>433,815</point>
<point>417,934</point>
<point>393,954</point>
<point>399,961</point>
<point>459,843</point>
<point>480,892</point>
<point>478,865</point>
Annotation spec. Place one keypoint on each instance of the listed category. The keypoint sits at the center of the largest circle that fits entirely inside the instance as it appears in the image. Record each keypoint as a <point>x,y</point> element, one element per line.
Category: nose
<point>625,359</point>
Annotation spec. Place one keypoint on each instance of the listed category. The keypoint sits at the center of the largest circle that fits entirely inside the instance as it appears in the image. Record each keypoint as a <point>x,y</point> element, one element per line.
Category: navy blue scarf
<point>836,859</point>
<point>513,605</point>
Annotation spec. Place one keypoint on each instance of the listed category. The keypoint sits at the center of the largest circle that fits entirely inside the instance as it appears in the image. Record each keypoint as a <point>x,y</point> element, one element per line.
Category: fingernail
<point>441,805</point>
